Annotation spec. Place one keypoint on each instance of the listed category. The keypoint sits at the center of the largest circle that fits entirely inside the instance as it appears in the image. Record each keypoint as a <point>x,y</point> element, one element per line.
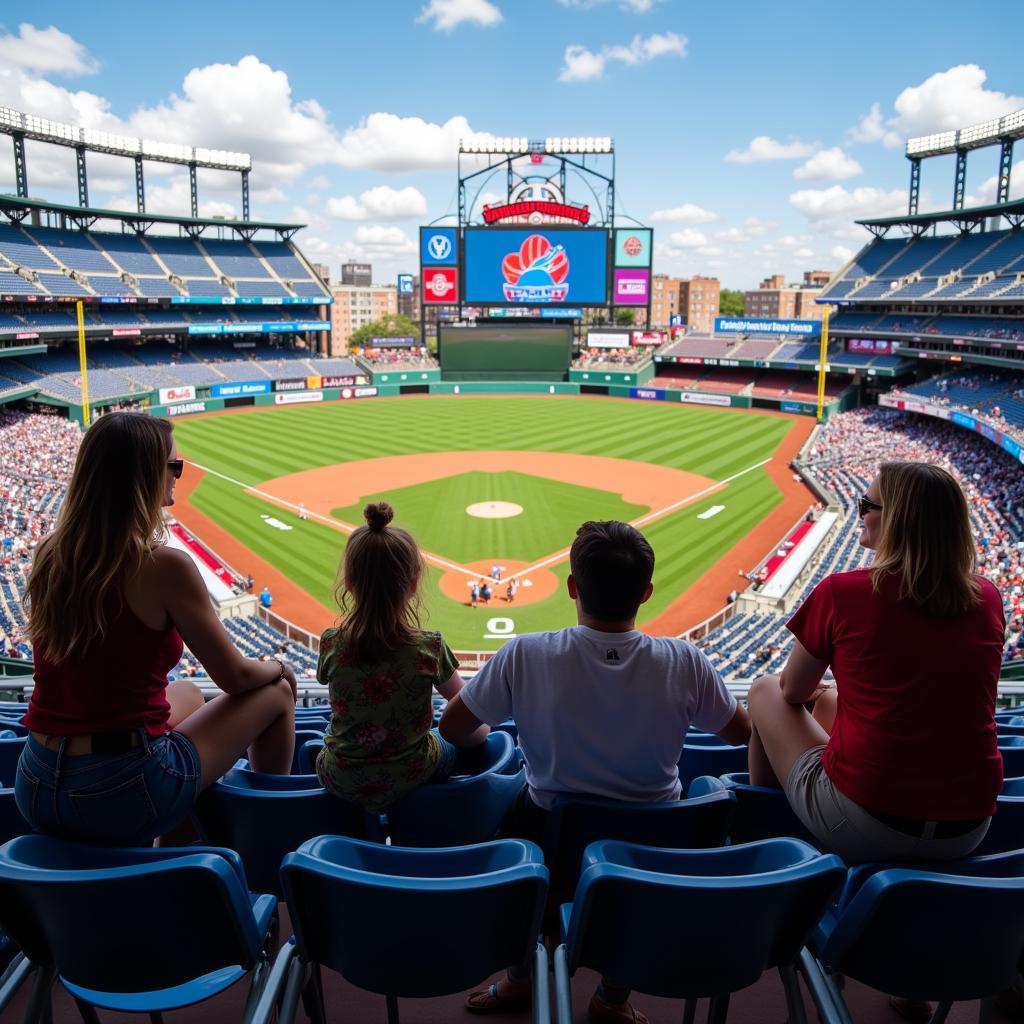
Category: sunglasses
<point>866,505</point>
<point>176,467</point>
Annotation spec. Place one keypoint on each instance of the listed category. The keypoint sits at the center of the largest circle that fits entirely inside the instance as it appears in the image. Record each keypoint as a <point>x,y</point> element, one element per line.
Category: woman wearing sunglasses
<point>117,755</point>
<point>899,761</point>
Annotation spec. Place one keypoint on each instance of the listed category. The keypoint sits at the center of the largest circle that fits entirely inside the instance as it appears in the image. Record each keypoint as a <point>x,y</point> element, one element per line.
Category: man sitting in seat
<point>602,709</point>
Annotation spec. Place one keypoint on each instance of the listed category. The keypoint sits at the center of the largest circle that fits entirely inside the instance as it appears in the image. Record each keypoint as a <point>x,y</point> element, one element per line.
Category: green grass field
<point>254,447</point>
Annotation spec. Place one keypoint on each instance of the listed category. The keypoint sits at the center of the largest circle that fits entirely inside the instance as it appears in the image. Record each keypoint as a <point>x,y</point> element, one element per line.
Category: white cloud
<point>764,147</point>
<point>391,240</point>
<point>839,204</point>
<point>841,254</point>
<point>955,98</point>
<point>379,203</point>
<point>688,213</point>
<point>46,50</point>
<point>758,225</point>
<point>688,238</point>
<point>174,197</point>
<point>803,253</point>
<point>387,142</point>
<point>449,14</point>
<point>581,64</point>
<point>829,165</point>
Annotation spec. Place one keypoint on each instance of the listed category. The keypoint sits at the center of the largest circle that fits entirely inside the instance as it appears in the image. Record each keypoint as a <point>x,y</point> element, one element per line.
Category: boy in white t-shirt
<point>601,708</point>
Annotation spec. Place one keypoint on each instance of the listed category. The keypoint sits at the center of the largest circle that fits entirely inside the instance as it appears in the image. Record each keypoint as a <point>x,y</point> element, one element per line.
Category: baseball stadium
<point>525,407</point>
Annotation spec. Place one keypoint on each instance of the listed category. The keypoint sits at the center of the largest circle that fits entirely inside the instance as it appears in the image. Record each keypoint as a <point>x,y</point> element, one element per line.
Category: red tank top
<point>119,685</point>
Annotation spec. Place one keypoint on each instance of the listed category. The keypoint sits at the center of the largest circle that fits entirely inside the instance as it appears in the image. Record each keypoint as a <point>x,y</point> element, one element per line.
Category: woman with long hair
<point>381,670</point>
<point>899,760</point>
<point>117,755</point>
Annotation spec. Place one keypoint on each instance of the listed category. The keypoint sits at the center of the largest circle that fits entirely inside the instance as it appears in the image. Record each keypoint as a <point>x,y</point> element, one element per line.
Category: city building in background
<point>778,300</point>
<point>664,299</point>
<point>409,295</point>
<point>698,303</point>
<point>322,271</point>
<point>357,305</point>
<point>360,274</point>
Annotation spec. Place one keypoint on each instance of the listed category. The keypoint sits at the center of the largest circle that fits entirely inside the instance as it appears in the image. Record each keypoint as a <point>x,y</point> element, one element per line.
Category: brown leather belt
<point>97,743</point>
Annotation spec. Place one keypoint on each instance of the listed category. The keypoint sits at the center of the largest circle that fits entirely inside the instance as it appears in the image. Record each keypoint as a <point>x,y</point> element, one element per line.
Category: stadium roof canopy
<point>918,223</point>
<point>17,208</point>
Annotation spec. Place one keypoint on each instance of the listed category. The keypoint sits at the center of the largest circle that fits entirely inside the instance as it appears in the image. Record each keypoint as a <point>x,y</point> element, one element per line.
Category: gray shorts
<point>845,828</point>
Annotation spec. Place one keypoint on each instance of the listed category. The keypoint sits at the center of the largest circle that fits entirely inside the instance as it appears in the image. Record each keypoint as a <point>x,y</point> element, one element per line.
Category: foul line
<point>443,563</point>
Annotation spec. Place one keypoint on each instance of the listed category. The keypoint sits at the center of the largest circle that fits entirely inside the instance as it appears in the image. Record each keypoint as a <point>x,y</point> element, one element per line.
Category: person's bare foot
<point>600,1012</point>
<point>506,995</point>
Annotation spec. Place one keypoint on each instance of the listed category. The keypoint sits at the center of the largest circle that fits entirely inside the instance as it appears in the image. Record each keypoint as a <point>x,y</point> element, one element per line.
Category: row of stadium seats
<point>952,267</point>
<point>776,350</point>
<point>49,261</point>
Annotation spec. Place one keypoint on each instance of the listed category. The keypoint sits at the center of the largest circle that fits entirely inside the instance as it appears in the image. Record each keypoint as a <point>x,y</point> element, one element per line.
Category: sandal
<point>489,1000</point>
<point>600,1012</point>
<point>917,1011</point>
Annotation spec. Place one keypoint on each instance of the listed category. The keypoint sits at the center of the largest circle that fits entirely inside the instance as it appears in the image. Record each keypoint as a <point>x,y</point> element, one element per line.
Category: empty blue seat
<point>412,923</point>
<point>263,817</point>
<point>80,912</point>
<point>306,755</point>
<point>688,924</point>
<point>762,812</point>
<point>946,932</point>
<point>709,759</point>
<point>575,822</point>
<point>304,735</point>
<point>469,807</point>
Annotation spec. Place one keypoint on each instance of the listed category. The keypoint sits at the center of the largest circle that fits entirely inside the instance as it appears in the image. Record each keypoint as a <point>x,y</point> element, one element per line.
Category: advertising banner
<point>337,382</point>
<point>126,332</point>
<point>963,420</point>
<point>291,384</point>
<point>876,345</point>
<point>699,398</point>
<point>791,406</point>
<point>631,287</point>
<point>441,284</point>
<point>393,342</point>
<point>1011,446</point>
<point>536,266</point>
<point>620,339</point>
<point>746,325</point>
<point>187,409</point>
<point>633,247</point>
<point>26,336</point>
<point>405,284</point>
<point>205,328</point>
<point>297,397</point>
<point>346,393</point>
<point>438,245</point>
<point>650,338</point>
<point>245,387</point>
<point>179,394</point>
<point>649,394</point>
<point>569,313</point>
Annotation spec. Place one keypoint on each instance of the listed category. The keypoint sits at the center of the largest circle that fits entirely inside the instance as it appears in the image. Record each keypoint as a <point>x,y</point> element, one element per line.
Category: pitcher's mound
<point>494,509</point>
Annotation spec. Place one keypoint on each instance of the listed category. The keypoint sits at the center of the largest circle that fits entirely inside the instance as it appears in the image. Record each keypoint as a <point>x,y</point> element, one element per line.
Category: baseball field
<point>484,482</point>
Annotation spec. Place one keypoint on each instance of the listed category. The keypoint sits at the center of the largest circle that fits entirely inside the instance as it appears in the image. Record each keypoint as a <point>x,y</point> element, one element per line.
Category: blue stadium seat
<point>712,759</point>
<point>411,923</point>
<point>263,817</point>
<point>945,932</point>
<point>761,812</point>
<point>466,809</point>
<point>211,931</point>
<point>690,924</point>
<point>10,752</point>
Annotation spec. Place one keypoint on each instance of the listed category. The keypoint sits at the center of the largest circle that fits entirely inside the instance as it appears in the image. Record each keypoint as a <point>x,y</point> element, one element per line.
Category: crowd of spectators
<point>415,357</point>
<point>611,358</point>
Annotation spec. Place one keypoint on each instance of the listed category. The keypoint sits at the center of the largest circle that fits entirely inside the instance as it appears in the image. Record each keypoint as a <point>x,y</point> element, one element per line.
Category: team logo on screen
<point>536,272</point>
<point>633,246</point>
<point>439,247</point>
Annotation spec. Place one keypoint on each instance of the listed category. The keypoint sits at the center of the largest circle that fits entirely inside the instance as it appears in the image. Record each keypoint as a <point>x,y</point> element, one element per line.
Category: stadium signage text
<point>185,393</point>
<point>346,393</point>
<point>699,398</point>
<point>735,325</point>
<point>186,409</point>
<point>536,210</point>
<point>341,382</point>
<point>649,394</point>
<point>25,336</point>
<point>619,340</point>
<point>297,397</point>
<point>631,287</point>
<point>291,384</point>
<point>126,332</point>
<point>405,342</point>
<point>246,387</point>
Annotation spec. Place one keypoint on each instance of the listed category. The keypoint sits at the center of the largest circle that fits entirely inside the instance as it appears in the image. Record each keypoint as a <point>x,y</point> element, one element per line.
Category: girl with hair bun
<point>381,670</point>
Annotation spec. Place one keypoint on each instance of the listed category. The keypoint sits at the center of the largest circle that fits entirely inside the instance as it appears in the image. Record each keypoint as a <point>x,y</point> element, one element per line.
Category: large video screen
<point>505,350</point>
<point>536,266</point>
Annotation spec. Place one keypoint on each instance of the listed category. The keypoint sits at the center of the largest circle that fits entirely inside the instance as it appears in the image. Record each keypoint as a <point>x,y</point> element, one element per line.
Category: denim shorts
<point>447,762</point>
<point>125,799</point>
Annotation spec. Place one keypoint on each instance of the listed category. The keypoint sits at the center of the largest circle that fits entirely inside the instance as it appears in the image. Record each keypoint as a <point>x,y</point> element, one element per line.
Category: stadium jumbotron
<point>536,393</point>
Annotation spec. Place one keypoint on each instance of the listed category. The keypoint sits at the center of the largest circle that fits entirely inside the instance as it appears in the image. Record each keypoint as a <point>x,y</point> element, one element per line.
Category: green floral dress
<point>379,745</point>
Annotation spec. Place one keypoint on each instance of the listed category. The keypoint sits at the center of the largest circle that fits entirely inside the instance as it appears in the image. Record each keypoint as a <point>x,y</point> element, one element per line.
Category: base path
<point>536,585</point>
<point>291,602</point>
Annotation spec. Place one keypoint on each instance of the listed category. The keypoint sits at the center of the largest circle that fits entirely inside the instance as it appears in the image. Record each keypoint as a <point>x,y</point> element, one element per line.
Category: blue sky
<point>750,135</point>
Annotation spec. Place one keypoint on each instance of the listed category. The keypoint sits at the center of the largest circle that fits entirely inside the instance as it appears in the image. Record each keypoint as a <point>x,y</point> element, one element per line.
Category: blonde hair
<point>925,539</point>
<point>109,523</point>
<point>378,587</point>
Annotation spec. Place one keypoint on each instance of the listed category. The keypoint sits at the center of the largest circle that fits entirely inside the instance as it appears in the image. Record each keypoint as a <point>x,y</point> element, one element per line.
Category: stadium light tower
<point>40,129</point>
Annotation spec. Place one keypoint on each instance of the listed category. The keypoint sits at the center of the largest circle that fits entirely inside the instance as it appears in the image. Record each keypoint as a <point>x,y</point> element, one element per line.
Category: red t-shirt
<point>914,734</point>
<point>119,685</point>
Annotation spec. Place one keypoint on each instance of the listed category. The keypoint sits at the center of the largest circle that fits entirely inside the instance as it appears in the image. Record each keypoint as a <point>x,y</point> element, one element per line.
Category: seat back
<point>12,824</point>
<point>305,735</point>
<point>709,759</point>
<point>1012,750</point>
<point>762,812</point>
<point>687,924</point>
<point>263,817</point>
<point>1006,831</point>
<point>576,822</point>
<point>415,923</point>
<point>126,920</point>
<point>930,935</point>
<point>10,752</point>
<point>467,808</point>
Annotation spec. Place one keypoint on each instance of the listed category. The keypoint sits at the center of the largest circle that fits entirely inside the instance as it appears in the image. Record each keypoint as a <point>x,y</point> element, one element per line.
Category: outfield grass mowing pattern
<point>269,443</point>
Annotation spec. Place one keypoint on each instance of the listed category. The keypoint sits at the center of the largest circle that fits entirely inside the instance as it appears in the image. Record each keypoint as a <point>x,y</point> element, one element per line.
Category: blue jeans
<point>447,762</point>
<point>125,799</point>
